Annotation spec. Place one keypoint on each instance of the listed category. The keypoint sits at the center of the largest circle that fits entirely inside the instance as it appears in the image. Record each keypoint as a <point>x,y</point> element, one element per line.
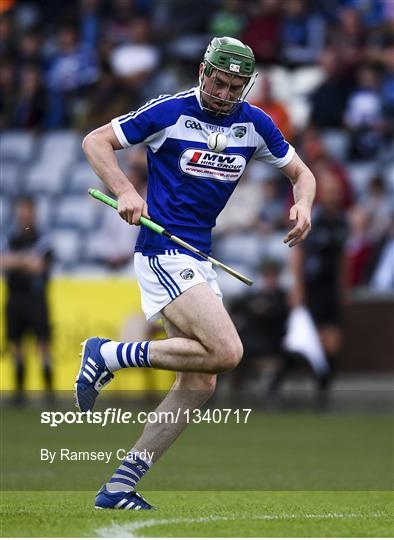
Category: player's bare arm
<point>100,146</point>
<point>304,190</point>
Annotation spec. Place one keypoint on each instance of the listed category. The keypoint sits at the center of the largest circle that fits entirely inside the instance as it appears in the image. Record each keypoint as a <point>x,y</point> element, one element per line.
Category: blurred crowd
<point>326,78</point>
<point>78,63</point>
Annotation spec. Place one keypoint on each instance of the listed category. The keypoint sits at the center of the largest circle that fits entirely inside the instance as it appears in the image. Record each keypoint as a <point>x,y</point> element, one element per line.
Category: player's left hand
<point>299,232</point>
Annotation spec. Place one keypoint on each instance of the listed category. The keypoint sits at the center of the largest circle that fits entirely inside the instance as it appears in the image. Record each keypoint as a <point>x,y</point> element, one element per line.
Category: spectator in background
<point>25,260</point>
<point>387,89</point>
<point>318,267</point>
<point>363,116</point>
<point>371,13</point>
<point>262,33</point>
<point>134,61</point>
<point>274,108</point>
<point>117,20</point>
<point>72,68</point>
<point>329,100</point>
<point>317,158</point>
<point>241,212</point>
<point>108,98</point>
<point>230,20</point>
<point>347,38</point>
<point>7,40</point>
<point>30,106</point>
<point>29,49</point>
<point>7,93</point>
<point>302,34</point>
<point>379,208</point>
<point>359,247</point>
<point>260,318</point>
<point>181,26</point>
<point>272,216</point>
<point>90,22</point>
<point>382,279</point>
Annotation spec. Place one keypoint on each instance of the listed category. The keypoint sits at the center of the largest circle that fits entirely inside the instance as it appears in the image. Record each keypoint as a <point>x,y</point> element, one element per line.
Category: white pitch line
<point>130,529</point>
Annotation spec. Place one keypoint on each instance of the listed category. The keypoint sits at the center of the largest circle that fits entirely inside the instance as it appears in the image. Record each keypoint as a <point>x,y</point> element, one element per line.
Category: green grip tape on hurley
<point>111,202</point>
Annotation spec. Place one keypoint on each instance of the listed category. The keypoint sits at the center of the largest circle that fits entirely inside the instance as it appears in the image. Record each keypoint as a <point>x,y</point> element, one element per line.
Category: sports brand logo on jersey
<point>239,131</point>
<point>193,124</point>
<point>205,164</point>
<point>187,274</point>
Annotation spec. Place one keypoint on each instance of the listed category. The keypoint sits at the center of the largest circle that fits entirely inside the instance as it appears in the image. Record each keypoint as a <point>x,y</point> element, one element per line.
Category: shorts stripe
<point>170,278</point>
<point>162,280</point>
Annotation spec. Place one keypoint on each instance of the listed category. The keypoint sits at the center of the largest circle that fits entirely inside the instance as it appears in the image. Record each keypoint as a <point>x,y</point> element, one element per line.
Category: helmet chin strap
<point>234,103</point>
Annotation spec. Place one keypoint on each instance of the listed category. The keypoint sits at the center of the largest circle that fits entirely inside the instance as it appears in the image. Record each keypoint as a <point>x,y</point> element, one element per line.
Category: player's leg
<point>46,362</point>
<point>190,391</point>
<point>41,327</point>
<point>15,329</point>
<point>211,345</point>
<point>19,365</point>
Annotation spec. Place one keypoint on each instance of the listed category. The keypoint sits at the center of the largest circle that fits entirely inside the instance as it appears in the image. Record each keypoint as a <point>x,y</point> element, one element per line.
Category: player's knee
<point>228,355</point>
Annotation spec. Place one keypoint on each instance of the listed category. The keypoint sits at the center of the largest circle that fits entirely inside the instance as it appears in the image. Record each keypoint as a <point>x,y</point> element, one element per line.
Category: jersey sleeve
<point>146,124</point>
<point>271,146</point>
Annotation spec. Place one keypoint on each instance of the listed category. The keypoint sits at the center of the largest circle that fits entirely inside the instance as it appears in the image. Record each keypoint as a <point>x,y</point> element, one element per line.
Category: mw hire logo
<point>206,164</point>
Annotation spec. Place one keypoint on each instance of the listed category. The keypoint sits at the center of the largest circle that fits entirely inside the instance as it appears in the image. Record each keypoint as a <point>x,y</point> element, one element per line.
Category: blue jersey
<point>189,185</point>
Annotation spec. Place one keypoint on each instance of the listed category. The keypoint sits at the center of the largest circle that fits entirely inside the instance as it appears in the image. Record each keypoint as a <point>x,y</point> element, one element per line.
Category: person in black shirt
<point>319,267</point>
<point>260,318</point>
<point>25,259</point>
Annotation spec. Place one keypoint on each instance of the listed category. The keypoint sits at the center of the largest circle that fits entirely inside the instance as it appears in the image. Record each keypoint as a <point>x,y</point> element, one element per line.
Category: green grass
<point>215,514</point>
<point>271,452</point>
<point>301,474</point>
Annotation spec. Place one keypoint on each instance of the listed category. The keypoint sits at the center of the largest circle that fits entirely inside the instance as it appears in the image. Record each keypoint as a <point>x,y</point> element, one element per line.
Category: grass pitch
<point>205,514</point>
<point>302,475</point>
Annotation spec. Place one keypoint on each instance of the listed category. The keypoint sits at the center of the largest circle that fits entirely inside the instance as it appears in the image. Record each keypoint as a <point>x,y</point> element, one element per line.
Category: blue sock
<point>129,472</point>
<point>124,355</point>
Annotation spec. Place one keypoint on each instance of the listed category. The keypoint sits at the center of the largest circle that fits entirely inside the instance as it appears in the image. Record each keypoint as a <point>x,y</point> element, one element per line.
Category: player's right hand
<point>131,207</point>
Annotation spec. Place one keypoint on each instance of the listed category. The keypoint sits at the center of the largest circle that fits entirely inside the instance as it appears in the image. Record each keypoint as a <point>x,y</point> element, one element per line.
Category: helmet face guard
<point>236,60</point>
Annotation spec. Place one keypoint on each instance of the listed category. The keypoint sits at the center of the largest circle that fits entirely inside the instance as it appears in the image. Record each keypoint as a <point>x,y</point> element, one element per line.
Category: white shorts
<point>162,278</point>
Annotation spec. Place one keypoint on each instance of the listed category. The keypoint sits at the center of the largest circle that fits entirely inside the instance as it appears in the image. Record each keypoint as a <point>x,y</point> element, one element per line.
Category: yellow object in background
<point>82,308</point>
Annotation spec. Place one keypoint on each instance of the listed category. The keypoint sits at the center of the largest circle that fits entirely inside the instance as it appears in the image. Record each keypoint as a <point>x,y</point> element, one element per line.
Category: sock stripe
<point>137,460</point>
<point>119,355</point>
<point>127,351</point>
<point>123,355</point>
<point>145,356</point>
<point>120,478</point>
<point>135,467</point>
<point>130,354</point>
<point>121,481</point>
<point>137,355</point>
<point>128,474</point>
